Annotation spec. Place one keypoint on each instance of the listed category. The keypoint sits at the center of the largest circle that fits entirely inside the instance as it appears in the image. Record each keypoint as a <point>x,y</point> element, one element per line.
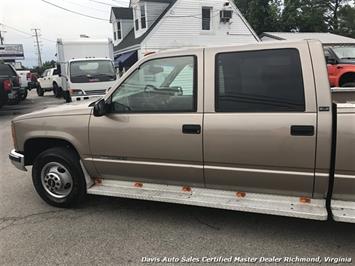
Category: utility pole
<point>37,44</point>
<point>1,37</point>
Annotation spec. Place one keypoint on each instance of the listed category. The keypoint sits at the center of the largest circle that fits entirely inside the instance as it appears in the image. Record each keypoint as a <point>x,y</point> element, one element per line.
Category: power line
<point>99,2</point>
<point>89,7</point>
<point>23,32</point>
<point>1,37</point>
<point>75,12</point>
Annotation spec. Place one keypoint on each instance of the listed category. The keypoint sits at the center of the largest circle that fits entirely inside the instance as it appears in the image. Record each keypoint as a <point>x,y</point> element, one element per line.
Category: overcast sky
<point>53,22</point>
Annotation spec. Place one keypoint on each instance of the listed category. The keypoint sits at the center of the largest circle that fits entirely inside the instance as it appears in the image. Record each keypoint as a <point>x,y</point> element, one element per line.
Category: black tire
<point>66,96</point>
<point>57,90</point>
<point>67,158</point>
<point>348,85</point>
<point>40,91</point>
<point>24,95</point>
<point>3,98</point>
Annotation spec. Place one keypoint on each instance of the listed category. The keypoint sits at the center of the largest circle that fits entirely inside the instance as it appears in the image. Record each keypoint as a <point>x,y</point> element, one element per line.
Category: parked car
<point>341,65</point>
<point>24,78</point>
<point>9,80</point>
<point>248,128</point>
<point>5,89</point>
<point>50,81</point>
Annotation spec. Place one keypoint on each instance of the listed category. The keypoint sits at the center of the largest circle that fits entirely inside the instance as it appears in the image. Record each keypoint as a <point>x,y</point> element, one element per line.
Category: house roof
<point>157,1</point>
<point>130,39</point>
<point>122,12</point>
<point>325,38</point>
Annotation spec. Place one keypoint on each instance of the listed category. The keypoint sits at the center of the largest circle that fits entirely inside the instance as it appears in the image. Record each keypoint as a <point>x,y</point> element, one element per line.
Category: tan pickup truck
<point>247,128</point>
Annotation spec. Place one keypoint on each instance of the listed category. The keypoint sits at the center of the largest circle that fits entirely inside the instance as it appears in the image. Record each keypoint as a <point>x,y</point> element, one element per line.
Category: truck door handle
<point>191,129</point>
<point>302,130</point>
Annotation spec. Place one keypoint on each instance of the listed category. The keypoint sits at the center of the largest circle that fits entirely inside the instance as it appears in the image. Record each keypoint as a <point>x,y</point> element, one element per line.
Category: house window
<point>206,18</point>
<point>114,36</point>
<point>143,17</point>
<point>136,21</point>
<point>119,33</point>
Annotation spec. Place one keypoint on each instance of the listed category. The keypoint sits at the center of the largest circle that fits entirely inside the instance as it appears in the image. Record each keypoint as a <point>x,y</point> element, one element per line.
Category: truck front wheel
<point>40,91</point>
<point>57,90</point>
<point>58,178</point>
<point>66,96</point>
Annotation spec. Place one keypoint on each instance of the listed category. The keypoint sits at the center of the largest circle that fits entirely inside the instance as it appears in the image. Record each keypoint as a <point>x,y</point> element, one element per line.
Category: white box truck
<point>85,67</point>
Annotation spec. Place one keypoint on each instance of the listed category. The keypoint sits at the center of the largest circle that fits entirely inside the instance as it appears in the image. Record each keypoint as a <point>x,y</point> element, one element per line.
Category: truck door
<point>45,79</point>
<point>260,120</point>
<point>153,131</point>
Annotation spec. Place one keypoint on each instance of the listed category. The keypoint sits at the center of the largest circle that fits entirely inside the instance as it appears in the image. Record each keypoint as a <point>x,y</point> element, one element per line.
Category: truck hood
<point>71,109</point>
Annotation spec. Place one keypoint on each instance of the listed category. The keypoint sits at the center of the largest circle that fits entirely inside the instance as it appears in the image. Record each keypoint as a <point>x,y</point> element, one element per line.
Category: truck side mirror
<point>100,108</point>
<point>331,60</point>
<point>59,69</point>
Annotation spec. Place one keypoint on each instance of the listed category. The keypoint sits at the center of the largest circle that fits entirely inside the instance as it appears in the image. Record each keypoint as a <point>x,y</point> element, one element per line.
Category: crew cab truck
<point>248,128</point>
<point>85,67</point>
<point>50,81</point>
<point>341,65</point>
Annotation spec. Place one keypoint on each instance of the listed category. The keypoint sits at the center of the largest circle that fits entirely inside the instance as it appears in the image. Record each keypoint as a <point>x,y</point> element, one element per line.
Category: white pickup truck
<point>49,81</point>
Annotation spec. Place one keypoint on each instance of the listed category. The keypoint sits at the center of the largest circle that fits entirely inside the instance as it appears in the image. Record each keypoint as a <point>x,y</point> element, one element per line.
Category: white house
<point>150,25</point>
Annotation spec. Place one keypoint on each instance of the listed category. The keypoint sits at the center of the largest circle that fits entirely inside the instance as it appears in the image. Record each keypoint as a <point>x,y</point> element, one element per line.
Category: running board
<point>343,211</point>
<point>239,201</point>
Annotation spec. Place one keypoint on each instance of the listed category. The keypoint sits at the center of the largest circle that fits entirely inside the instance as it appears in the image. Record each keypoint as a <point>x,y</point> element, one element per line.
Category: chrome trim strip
<point>148,163</point>
<point>208,167</point>
<point>345,176</point>
<point>322,174</point>
<point>263,171</point>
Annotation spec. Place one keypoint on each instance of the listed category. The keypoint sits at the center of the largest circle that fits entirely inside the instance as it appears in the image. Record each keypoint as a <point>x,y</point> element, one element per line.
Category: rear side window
<point>260,81</point>
<point>6,70</point>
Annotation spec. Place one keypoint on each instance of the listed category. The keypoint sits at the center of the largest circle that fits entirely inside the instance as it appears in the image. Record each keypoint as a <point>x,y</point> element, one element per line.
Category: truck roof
<point>252,46</point>
<point>91,59</point>
<point>84,40</point>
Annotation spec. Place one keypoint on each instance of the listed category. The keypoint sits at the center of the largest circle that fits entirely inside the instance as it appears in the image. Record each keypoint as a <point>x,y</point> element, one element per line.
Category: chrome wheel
<point>56,180</point>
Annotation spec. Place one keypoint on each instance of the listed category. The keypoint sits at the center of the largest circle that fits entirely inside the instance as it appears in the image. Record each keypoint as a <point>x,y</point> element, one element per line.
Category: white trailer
<point>86,67</point>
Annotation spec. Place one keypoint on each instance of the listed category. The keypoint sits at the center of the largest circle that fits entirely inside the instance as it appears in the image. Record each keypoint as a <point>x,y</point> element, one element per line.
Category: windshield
<point>92,71</point>
<point>345,52</point>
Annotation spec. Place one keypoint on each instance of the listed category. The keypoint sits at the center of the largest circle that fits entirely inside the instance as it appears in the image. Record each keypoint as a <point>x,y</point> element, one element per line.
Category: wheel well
<point>34,147</point>
<point>346,78</point>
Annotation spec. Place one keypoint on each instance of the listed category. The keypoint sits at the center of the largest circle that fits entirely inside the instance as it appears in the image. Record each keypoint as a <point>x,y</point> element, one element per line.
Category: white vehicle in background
<point>86,67</point>
<point>24,78</point>
<point>50,81</point>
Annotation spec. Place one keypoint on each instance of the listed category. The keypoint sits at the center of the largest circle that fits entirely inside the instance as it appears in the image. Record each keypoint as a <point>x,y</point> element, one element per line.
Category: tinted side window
<point>6,70</point>
<point>260,81</point>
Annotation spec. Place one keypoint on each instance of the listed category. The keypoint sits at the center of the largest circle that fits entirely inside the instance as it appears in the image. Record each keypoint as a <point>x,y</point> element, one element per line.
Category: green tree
<point>346,21</point>
<point>46,65</point>
<point>304,16</point>
<point>263,15</point>
<point>334,7</point>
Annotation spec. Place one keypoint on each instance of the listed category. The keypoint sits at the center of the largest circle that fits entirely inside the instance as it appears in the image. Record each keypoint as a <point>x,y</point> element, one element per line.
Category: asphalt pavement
<point>114,231</point>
